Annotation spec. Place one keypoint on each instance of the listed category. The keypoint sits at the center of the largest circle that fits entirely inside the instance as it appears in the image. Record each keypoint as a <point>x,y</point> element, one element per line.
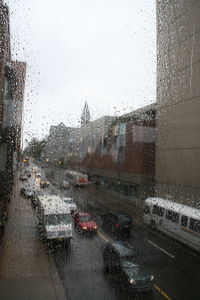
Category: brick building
<point>125,156</point>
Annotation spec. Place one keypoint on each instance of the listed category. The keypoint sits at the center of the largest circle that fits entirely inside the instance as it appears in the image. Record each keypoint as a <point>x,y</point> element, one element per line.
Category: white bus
<point>77,179</point>
<point>179,221</point>
<point>54,218</point>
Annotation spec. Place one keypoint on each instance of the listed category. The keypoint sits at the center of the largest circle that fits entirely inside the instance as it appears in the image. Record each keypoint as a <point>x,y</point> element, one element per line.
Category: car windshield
<point>58,219</point>
<point>124,219</point>
<point>100,103</point>
<point>85,218</point>
<point>68,201</point>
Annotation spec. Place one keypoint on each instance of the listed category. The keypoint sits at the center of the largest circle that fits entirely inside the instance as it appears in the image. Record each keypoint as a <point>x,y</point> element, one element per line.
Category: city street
<point>99,150</point>
<point>175,267</point>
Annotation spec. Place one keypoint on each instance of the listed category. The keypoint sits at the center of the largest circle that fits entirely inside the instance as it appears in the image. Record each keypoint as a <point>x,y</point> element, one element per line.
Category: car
<point>23,177</point>
<point>84,222</point>
<point>27,192</point>
<point>38,175</point>
<point>35,199</point>
<point>44,184</point>
<point>129,267</point>
<point>65,184</point>
<point>117,222</point>
<point>71,204</point>
<point>22,191</point>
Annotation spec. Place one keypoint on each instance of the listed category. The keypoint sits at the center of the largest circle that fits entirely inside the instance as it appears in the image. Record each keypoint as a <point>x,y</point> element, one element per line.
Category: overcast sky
<point>102,51</point>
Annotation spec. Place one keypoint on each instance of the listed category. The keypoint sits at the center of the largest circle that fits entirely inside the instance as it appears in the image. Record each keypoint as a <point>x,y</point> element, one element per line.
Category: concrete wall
<point>178,96</point>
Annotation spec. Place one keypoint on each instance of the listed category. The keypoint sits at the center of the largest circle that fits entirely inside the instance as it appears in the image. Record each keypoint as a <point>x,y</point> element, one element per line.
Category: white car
<point>65,184</point>
<point>23,177</point>
<point>71,204</point>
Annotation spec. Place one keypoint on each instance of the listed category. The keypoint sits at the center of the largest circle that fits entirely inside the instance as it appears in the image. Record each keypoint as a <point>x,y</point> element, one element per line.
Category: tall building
<point>178,97</point>
<point>61,143</point>
<point>85,117</point>
<point>12,83</point>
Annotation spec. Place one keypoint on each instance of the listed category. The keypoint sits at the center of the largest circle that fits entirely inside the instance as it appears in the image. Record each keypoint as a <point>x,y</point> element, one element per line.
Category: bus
<point>178,221</point>
<point>54,218</point>
<point>77,179</point>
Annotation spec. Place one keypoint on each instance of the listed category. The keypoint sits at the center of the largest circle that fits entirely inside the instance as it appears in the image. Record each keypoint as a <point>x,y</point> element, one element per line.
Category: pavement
<point>114,202</point>
<point>27,271</point>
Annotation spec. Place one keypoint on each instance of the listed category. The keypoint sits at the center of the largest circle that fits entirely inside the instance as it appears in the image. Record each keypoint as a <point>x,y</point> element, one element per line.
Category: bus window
<point>146,210</point>
<point>184,220</point>
<point>158,210</point>
<point>155,209</point>
<point>161,211</point>
<point>172,216</point>
<point>195,225</point>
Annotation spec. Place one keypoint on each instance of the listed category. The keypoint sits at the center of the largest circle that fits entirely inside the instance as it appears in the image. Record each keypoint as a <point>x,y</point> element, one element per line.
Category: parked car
<point>65,184</point>
<point>35,199</point>
<point>44,184</point>
<point>22,191</point>
<point>23,177</point>
<point>3,221</point>
<point>128,267</point>
<point>27,192</point>
<point>84,222</point>
<point>71,204</point>
<point>117,222</point>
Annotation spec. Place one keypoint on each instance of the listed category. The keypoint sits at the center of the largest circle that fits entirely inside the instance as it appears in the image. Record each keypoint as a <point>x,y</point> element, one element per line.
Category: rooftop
<point>123,249</point>
<point>180,208</point>
<point>53,204</point>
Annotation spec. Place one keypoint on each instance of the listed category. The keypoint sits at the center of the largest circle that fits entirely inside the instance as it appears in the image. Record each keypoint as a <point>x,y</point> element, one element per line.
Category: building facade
<point>178,97</point>
<point>124,157</point>
<point>12,83</point>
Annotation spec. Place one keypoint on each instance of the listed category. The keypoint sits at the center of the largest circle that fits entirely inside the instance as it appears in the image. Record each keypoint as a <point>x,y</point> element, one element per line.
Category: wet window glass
<point>99,149</point>
<point>195,225</point>
<point>172,216</point>
<point>184,221</point>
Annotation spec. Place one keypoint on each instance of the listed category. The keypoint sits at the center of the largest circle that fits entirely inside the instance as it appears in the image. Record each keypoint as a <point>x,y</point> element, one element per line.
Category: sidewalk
<point>27,272</point>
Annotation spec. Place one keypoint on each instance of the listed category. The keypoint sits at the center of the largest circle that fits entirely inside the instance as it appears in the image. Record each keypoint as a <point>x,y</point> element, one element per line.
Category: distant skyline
<point>102,52</point>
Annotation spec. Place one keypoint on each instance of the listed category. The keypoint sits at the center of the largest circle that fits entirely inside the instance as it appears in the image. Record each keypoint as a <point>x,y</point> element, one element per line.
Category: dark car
<point>35,199</point>
<point>127,266</point>
<point>117,222</point>
<point>22,191</point>
<point>84,222</point>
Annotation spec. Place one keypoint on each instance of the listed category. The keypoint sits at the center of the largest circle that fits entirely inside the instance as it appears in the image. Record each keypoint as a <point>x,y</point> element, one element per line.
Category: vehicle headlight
<point>152,277</point>
<point>95,227</point>
<point>132,281</point>
<point>84,227</point>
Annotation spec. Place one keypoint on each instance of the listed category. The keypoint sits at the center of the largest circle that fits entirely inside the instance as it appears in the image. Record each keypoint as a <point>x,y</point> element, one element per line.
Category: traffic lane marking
<point>102,236</point>
<point>161,249</point>
<point>157,288</point>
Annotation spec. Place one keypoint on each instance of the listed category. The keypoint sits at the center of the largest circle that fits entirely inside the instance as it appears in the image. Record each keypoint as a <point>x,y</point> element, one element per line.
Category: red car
<point>84,222</point>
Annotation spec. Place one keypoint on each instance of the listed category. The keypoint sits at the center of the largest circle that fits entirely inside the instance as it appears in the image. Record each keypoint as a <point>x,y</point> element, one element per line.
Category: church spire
<point>85,117</point>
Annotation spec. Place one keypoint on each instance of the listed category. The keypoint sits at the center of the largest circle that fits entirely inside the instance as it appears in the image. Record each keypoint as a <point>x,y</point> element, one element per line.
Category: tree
<point>35,148</point>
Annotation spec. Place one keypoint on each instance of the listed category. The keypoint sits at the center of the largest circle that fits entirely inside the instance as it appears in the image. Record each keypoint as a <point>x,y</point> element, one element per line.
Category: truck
<point>54,219</point>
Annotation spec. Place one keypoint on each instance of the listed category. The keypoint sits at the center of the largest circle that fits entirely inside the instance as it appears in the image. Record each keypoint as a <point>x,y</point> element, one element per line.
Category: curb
<point>56,279</point>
